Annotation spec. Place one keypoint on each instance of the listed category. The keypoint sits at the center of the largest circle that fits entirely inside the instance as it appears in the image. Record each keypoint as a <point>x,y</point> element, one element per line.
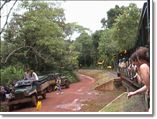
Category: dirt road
<point>70,100</point>
<point>80,97</point>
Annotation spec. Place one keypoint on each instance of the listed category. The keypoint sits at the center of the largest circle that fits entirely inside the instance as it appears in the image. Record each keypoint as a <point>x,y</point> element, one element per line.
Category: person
<point>134,74</point>
<point>33,75</point>
<point>2,93</point>
<point>58,84</point>
<point>27,74</point>
<point>132,71</point>
<point>140,59</point>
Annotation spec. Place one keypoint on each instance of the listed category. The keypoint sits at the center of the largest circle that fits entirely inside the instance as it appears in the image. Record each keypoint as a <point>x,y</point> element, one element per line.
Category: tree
<point>8,14</point>
<point>71,28</point>
<point>83,45</point>
<point>126,26</point>
<point>37,35</point>
<point>112,14</point>
<point>96,41</point>
<point>121,32</point>
<point>108,47</point>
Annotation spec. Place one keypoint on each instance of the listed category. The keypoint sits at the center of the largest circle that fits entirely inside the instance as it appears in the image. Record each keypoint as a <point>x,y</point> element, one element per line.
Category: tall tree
<point>38,35</point>
<point>121,32</point>
<point>112,14</point>
<point>96,41</point>
<point>126,26</point>
<point>3,3</point>
<point>71,28</point>
<point>83,45</point>
<point>108,47</point>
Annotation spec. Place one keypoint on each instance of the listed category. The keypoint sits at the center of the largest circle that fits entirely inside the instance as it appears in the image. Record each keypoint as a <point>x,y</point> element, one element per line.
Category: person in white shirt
<point>33,76</point>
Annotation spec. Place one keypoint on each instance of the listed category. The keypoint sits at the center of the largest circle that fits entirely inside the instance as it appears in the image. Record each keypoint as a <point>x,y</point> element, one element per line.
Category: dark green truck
<point>30,91</point>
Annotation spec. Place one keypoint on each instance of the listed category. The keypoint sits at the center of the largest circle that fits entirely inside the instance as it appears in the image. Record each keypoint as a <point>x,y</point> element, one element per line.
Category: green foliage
<point>83,45</point>
<point>40,31</point>
<point>120,34</point>
<point>11,73</point>
<point>45,39</point>
<point>41,27</point>
<point>4,108</point>
<point>112,14</point>
<point>71,28</point>
<point>72,77</point>
<point>126,26</point>
<point>96,42</point>
<point>107,47</point>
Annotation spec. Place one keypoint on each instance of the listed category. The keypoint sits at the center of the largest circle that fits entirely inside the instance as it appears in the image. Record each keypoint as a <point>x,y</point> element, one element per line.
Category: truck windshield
<point>23,83</point>
<point>24,86</point>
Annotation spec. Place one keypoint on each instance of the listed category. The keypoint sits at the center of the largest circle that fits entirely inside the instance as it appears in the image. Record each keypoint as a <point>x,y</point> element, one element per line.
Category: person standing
<point>58,84</point>
<point>27,74</point>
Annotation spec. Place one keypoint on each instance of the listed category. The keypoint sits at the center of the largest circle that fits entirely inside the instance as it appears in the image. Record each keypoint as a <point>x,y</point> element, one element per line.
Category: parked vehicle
<point>27,91</point>
<point>65,83</point>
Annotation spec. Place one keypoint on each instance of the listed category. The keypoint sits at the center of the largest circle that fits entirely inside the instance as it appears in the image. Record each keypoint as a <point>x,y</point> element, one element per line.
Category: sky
<point>90,13</point>
<point>85,13</point>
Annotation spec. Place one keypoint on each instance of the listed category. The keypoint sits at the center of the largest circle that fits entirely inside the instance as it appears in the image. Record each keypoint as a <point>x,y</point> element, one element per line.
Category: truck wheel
<point>49,89</point>
<point>44,96</point>
<point>67,83</point>
<point>34,100</point>
<point>11,107</point>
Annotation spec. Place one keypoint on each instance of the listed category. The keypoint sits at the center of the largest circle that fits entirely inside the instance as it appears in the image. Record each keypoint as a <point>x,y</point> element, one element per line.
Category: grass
<point>3,107</point>
<point>122,104</point>
<point>101,76</point>
<point>118,104</point>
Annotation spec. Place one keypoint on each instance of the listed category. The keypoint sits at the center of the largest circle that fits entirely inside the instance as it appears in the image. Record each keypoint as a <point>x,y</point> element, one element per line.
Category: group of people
<point>140,61</point>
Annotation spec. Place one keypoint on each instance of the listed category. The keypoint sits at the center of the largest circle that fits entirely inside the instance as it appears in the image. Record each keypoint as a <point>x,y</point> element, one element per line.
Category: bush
<point>4,108</point>
<point>10,74</point>
<point>72,77</point>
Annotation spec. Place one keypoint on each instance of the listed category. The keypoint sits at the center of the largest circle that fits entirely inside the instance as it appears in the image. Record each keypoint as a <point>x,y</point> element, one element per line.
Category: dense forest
<point>40,38</point>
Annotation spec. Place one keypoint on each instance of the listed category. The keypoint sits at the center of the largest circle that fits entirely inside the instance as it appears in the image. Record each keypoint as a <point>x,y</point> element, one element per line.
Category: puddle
<point>75,105</point>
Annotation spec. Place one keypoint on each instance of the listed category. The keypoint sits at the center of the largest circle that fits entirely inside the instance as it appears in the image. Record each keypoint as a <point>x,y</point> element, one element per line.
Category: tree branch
<point>7,16</point>
<point>36,52</point>
<point>5,2</point>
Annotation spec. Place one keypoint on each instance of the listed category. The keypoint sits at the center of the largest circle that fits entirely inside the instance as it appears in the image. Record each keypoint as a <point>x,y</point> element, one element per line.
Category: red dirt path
<point>71,100</point>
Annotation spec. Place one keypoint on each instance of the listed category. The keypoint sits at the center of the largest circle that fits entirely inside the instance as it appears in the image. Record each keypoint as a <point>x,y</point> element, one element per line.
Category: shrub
<point>72,77</point>
<point>10,74</point>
